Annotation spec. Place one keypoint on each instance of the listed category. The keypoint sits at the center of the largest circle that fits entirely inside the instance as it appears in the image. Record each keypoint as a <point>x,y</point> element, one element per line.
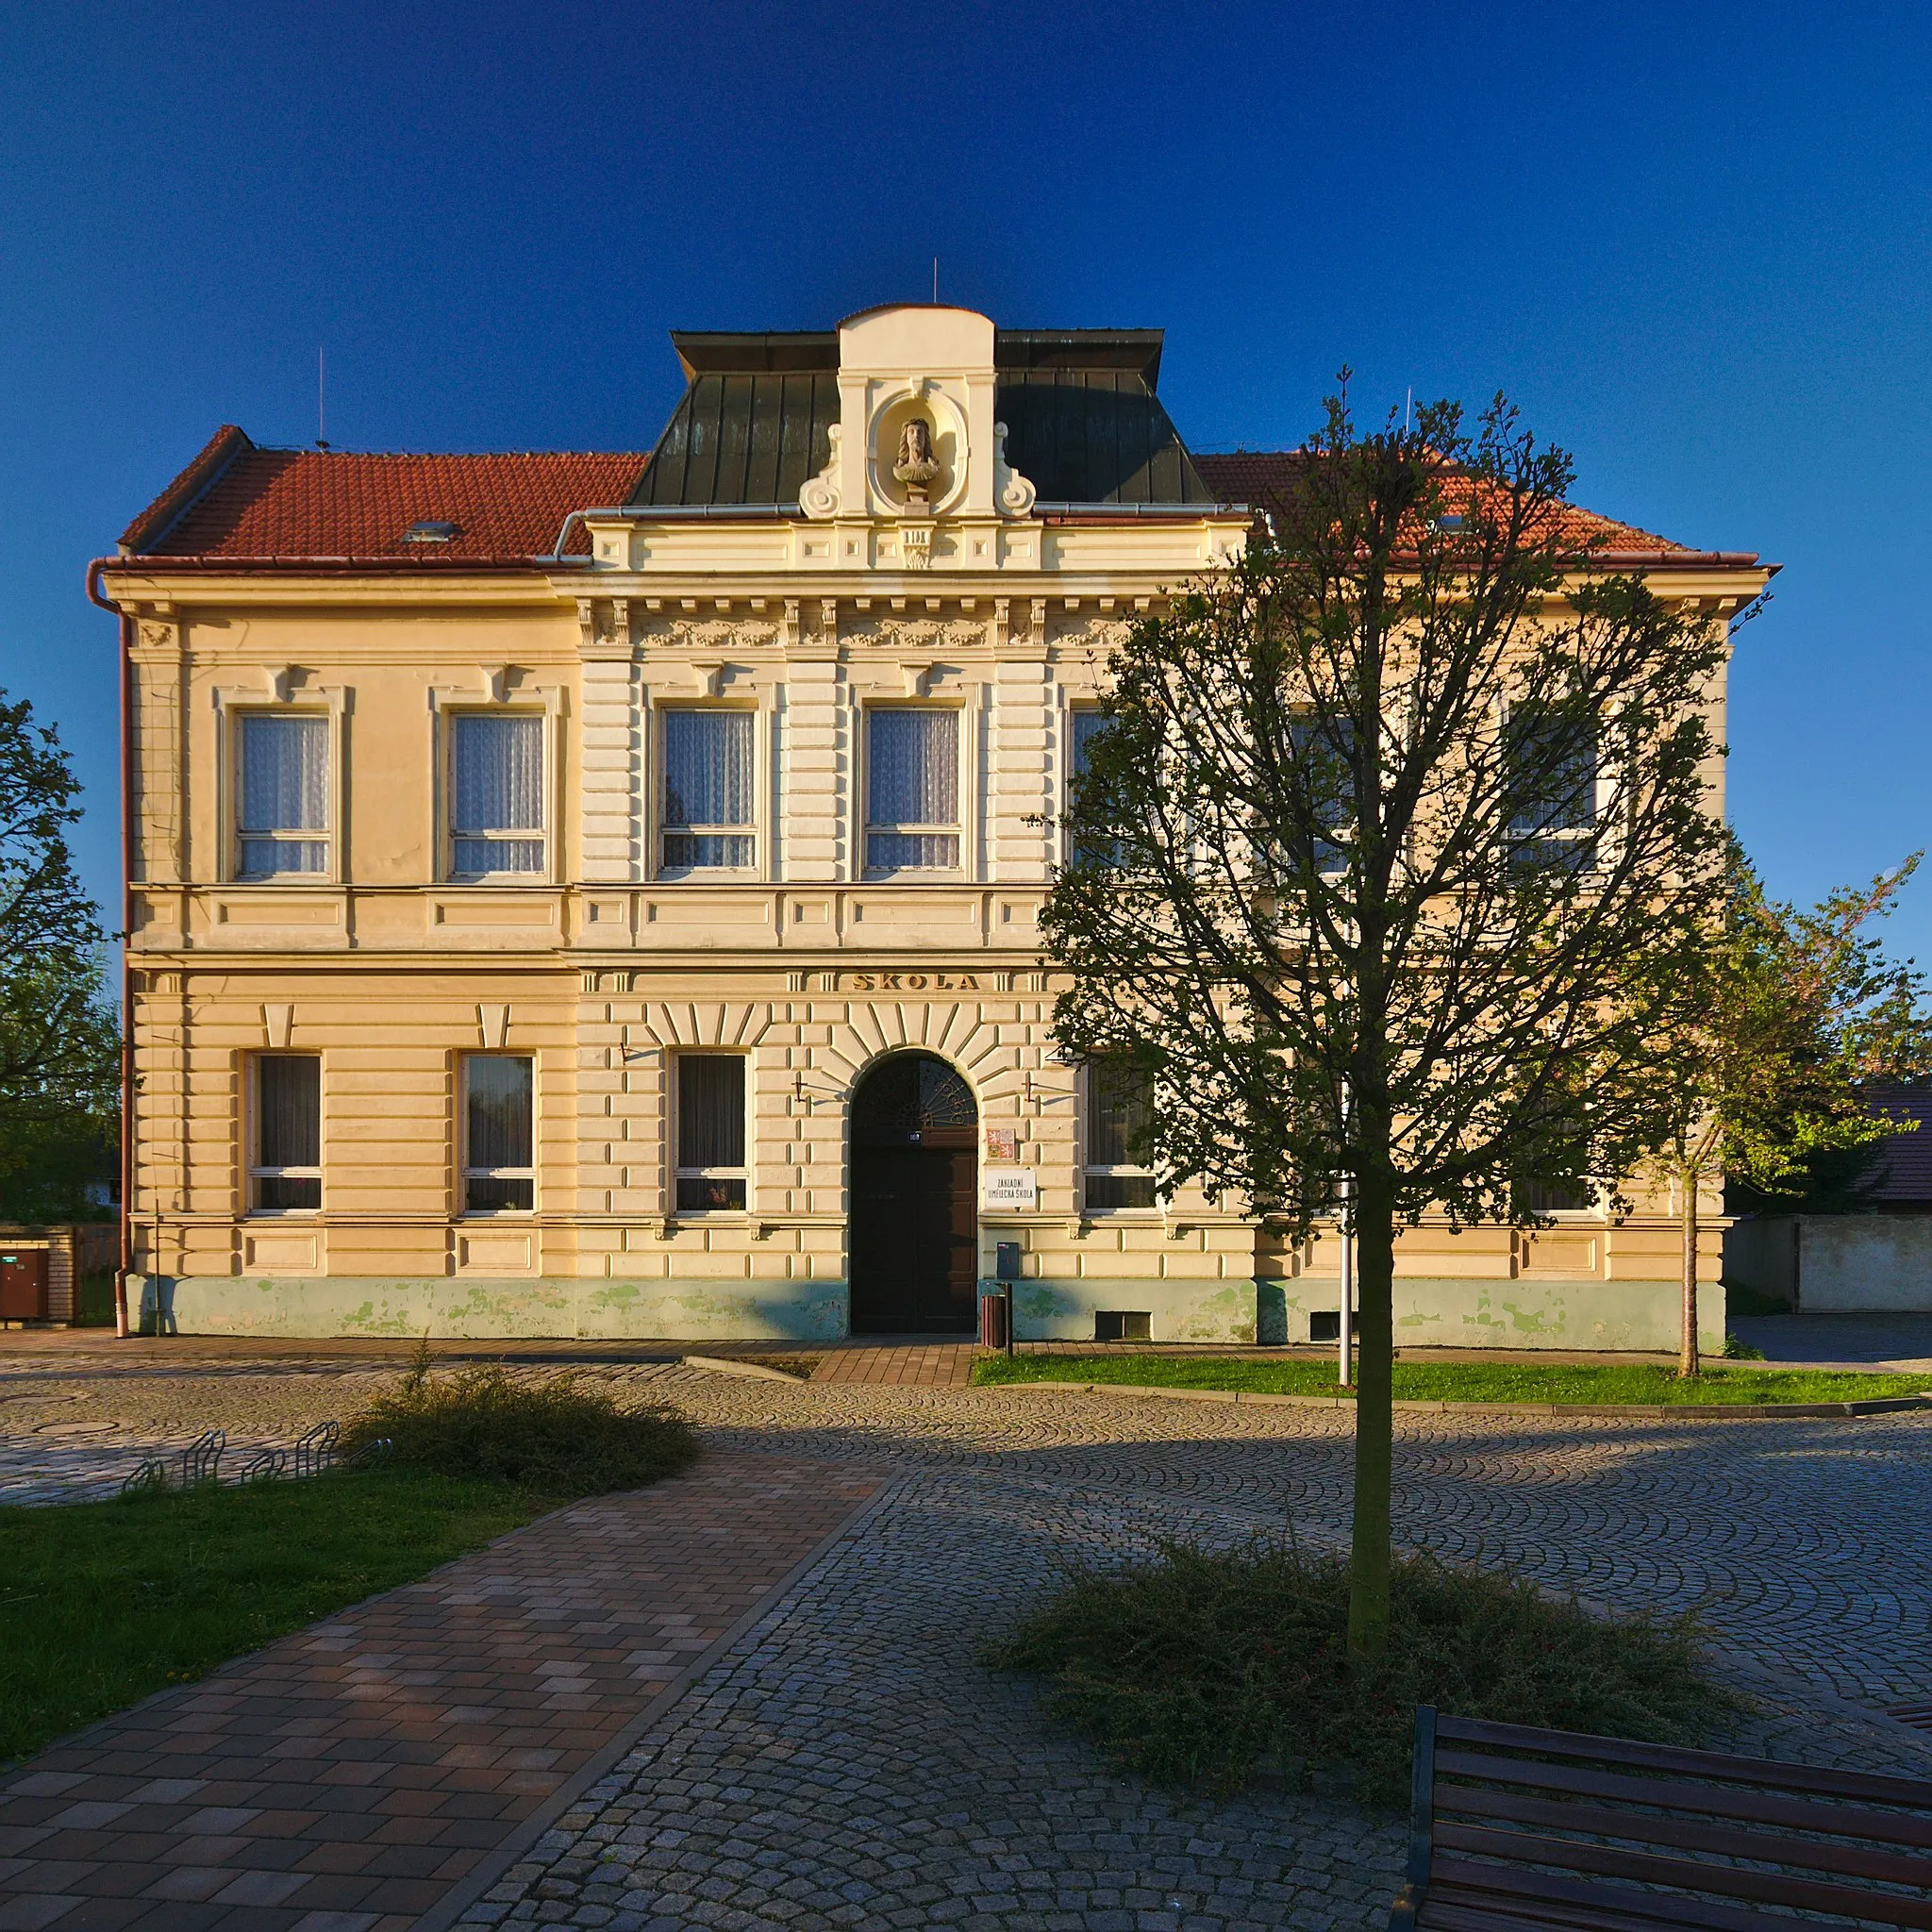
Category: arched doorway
<point>915,1219</point>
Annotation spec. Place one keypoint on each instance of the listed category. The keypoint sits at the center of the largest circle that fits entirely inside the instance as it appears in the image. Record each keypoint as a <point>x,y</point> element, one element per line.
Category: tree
<point>1797,1015</point>
<point>59,1040</point>
<point>1390,863</point>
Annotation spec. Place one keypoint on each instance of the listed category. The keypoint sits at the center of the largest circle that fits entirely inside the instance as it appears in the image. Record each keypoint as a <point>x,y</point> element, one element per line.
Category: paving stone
<point>851,1762</point>
<point>856,1725</point>
<point>431,1688</point>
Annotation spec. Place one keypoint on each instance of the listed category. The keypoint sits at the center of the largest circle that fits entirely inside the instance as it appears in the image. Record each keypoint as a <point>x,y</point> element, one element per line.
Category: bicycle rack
<point>316,1451</point>
<point>201,1461</point>
<point>152,1475</point>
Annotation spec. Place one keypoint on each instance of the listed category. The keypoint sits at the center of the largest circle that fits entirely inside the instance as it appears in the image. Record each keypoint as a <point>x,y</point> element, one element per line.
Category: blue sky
<point>1690,242</point>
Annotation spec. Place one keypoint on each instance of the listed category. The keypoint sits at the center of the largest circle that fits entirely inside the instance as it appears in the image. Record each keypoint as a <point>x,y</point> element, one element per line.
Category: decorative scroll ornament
<point>819,496</point>
<point>1012,491</point>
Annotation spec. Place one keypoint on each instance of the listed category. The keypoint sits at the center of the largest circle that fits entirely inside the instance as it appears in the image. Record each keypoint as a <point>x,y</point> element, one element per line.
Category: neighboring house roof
<point>1903,1173</point>
<point>238,500</point>
<point>1263,478</point>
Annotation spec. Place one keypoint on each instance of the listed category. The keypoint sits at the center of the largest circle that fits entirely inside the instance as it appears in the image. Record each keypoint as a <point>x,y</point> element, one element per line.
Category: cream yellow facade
<point>969,593</point>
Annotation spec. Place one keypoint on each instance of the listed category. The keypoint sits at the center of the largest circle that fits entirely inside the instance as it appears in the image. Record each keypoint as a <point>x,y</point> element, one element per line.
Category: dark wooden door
<point>915,1240</point>
<point>915,1223</point>
<point>23,1284</point>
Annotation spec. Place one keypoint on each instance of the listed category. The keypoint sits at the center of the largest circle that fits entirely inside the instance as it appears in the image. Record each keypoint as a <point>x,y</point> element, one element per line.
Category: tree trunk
<point>1687,1348</point>
<point>1374,1273</point>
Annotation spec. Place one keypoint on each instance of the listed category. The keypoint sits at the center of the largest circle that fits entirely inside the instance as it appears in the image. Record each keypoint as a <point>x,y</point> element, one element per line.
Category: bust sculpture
<point>917,467</point>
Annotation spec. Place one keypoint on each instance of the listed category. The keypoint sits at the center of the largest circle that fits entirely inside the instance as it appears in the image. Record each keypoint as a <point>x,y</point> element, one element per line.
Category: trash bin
<point>992,1318</point>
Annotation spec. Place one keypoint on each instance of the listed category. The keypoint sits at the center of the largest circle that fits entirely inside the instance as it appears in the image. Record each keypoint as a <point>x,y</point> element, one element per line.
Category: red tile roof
<point>239,501</point>
<point>1260,477</point>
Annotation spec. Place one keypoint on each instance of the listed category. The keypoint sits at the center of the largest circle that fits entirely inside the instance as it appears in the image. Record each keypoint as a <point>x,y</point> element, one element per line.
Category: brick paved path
<point>344,1778</point>
<point>900,1365</point>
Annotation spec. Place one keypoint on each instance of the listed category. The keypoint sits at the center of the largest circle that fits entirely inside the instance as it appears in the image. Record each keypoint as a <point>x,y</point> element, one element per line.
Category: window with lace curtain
<point>285,1164</point>
<point>499,1133</point>
<point>913,790</point>
<point>707,802</point>
<point>281,812</point>
<point>496,795</point>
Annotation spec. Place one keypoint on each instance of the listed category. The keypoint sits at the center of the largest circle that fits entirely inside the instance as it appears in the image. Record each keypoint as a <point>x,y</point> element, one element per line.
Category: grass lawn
<point>103,1602</point>
<point>106,1602</point>
<point>1459,1381</point>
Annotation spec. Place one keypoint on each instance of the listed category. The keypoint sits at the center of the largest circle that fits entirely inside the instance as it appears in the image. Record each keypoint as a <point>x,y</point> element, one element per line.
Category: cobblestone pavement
<point>851,1763</point>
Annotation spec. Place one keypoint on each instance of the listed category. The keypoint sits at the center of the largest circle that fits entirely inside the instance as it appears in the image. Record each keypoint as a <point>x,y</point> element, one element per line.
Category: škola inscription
<point>912,982</point>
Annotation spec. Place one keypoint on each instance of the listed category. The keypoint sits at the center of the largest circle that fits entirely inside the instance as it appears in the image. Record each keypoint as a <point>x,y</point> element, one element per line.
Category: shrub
<point>553,1437</point>
<point>1193,1667</point>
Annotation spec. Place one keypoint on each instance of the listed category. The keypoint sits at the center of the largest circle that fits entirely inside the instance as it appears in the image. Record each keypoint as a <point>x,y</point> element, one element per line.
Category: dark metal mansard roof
<point>1083,421</point>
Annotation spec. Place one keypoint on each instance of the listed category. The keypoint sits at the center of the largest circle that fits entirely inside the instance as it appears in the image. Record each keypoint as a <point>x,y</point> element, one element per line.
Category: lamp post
<point>1345,1328</point>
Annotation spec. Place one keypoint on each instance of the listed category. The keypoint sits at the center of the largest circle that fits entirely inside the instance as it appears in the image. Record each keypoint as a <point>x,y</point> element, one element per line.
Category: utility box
<point>1006,1260</point>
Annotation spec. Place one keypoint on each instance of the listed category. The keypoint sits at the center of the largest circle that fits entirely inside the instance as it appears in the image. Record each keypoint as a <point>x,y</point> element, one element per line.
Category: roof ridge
<point>461,455</point>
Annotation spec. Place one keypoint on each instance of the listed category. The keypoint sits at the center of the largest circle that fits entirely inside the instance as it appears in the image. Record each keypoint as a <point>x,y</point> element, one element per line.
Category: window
<point>913,790</point>
<point>281,821</point>
<point>1551,775</point>
<point>1553,1197</point>
<point>710,1131</point>
<point>1120,1106</point>
<point>1547,1178</point>
<point>1325,753</point>
<point>499,1172</point>
<point>1087,720</point>
<point>707,789</point>
<point>286,1172</point>
<point>496,795</point>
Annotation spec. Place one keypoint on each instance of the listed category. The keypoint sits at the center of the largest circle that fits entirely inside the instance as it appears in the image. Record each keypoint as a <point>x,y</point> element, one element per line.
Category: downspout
<point>122,1325</point>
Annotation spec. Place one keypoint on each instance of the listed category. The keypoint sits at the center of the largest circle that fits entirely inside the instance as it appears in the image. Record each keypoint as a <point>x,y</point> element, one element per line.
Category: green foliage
<point>553,1437</point>
<point>1194,1667</point>
<point>1800,1014</point>
<point>104,1603</point>
<point>1389,866</point>
<point>59,1036</point>
<point>1579,1382</point>
<point>59,1171</point>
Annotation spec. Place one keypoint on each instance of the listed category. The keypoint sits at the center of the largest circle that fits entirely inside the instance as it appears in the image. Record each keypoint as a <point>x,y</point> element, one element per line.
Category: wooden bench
<point>1512,1828</point>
